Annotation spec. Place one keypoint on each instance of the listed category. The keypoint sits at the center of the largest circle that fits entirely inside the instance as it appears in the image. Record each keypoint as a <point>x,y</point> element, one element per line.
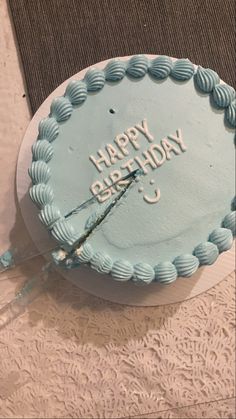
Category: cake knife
<point>12,258</point>
<point>45,278</point>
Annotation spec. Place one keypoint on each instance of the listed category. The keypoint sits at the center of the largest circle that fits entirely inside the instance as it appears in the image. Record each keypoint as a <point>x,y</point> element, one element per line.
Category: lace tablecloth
<point>74,355</point>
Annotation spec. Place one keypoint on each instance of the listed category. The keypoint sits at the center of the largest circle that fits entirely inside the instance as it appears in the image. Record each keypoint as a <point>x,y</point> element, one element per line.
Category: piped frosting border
<point>208,82</point>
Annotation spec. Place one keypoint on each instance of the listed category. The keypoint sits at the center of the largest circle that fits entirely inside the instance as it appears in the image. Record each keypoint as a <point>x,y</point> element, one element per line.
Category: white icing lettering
<point>148,161</point>
<point>128,165</point>
<point>115,176</point>
<point>108,183</point>
<point>153,149</point>
<point>102,159</point>
<point>145,131</point>
<point>178,138</point>
<point>153,157</point>
<point>168,147</point>
<point>97,188</point>
<point>122,141</point>
<point>132,133</point>
<point>154,199</point>
<point>113,153</point>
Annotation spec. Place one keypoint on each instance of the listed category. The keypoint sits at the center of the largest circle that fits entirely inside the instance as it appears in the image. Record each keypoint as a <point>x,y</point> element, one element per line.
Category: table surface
<point>74,355</point>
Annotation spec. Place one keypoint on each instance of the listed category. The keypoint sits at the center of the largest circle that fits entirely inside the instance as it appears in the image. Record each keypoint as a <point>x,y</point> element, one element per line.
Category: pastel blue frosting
<point>231,114</point>
<point>222,238</point>
<point>7,259</point>
<point>223,95</point>
<point>41,194</point>
<point>120,246</point>
<point>39,172</point>
<point>122,270</point>
<point>182,69</point>
<point>61,108</point>
<point>48,129</point>
<point>207,253</point>
<point>69,263</point>
<point>58,257</point>
<point>94,79</point>
<point>165,272</point>
<point>42,150</point>
<point>85,254</point>
<point>186,265</point>
<point>101,262</point>
<point>206,79</point>
<point>229,222</point>
<point>143,273</point>
<point>137,66</point>
<point>76,92</point>
<point>91,220</point>
<point>64,232</point>
<point>49,215</point>
<point>115,70</point>
<point>161,67</point>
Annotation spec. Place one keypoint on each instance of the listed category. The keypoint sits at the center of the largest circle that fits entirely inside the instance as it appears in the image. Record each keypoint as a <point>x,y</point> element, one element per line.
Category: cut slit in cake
<point>168,119</point>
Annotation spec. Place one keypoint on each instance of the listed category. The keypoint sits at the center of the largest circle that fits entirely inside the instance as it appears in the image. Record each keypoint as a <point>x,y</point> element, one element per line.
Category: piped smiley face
<point>151,199</point>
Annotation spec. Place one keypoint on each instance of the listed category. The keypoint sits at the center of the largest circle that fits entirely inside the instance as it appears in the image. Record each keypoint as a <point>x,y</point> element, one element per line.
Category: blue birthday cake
<point>169,126</point>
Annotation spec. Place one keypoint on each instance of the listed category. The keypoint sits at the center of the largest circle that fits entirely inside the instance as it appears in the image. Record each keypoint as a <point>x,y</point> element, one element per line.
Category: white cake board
<point>103,285</point>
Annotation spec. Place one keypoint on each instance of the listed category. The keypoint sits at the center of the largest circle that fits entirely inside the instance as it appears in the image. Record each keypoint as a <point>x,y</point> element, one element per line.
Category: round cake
<point>138,157</point>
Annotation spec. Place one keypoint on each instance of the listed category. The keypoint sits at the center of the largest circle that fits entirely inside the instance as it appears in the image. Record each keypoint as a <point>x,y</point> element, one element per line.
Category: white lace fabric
<point>75,355</point>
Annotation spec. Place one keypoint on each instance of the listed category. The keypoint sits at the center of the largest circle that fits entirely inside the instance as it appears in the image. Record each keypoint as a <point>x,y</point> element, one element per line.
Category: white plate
<point>103,285</point>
